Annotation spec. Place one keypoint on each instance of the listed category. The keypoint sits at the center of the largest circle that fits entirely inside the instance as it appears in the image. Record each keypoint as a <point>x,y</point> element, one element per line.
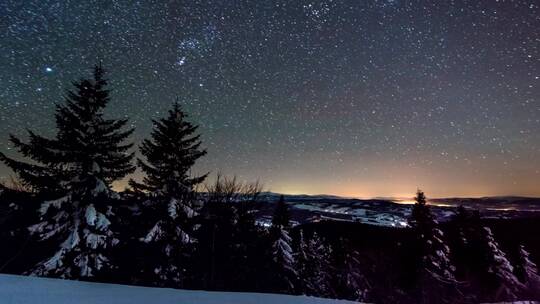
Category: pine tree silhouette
<point>499,272</point>
<point>313,259</point>
<point>78,167</point>
<point>87,149</point>
<point>435,270</point>
<point>170,154</point>
<point>421,217</point>
<point>284,273</point>
<point>348,280</point>
<point>281,217</point>
<point>527,272</point>
<point>247,249</point>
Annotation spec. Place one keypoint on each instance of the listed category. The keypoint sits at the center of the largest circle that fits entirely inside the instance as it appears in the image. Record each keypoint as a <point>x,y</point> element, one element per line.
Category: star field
<point>358,98</point>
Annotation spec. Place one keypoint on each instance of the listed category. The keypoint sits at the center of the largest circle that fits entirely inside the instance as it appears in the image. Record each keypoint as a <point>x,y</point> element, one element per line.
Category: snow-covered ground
<point>392,212</point>
<point>32,290</point>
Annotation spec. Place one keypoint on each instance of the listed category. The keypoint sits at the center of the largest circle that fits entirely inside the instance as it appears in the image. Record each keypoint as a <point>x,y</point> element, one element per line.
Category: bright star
<point>181,61</point>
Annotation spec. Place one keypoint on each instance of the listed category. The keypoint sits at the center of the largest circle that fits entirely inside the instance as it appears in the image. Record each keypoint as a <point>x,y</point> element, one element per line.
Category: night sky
<point>356,98</point>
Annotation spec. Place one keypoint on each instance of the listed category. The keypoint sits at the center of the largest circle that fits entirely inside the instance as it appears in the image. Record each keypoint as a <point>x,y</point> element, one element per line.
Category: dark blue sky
<point>360,98</point>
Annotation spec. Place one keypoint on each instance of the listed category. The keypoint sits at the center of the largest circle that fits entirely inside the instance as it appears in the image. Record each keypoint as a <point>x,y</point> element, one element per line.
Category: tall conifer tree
<point>170,154</point>
<point>313,260</point>
<point>77,168</point>
<point>218,236</point>
<point>435,270</point>
<point>499,274</point>
<point>348,280</point>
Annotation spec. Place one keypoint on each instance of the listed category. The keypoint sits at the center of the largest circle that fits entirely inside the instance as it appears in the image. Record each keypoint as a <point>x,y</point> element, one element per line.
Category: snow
<point>515,302</point>
<point>94,240</point>
<point>90,215</point>
<point>282,249</point>
<point>54,262</point>
<point>154,234</point>
<point>73,240</point>
<point>96,168</point>
<point>184,237</point>
<point>173,205</point>
<point>55,203</point>
<point>101,187</point>
<point>33,290</point>
<point>102,223</point>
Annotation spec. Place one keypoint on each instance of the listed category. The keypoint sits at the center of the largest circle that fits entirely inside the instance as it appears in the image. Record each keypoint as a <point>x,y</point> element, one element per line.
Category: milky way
<point>359,98</point>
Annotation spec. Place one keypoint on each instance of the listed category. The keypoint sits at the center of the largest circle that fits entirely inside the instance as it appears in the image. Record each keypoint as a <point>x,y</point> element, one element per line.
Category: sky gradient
<point>355,98</point>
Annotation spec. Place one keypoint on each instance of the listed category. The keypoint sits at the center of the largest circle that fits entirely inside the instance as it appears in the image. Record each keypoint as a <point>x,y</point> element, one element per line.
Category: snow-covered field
<point>392,212</point>
<point>32,290</point>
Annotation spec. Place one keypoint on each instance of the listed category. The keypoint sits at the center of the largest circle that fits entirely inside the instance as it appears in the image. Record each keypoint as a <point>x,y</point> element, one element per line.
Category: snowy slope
<point>32,290</point>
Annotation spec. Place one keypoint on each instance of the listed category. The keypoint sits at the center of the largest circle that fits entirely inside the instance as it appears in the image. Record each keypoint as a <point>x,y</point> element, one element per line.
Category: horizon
<point>410,197</point>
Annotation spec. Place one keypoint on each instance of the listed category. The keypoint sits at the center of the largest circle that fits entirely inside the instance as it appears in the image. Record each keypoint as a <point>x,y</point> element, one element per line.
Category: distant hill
<point>487,202</point>
<point>392,212</point>
<point>495,203</point>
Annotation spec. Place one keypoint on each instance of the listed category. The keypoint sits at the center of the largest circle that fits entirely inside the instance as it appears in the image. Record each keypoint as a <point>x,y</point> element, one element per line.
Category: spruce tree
<point>77,168</point>
<point>283,260</point>
<point>499,272</point>
<point>462,235</point>
<point>355,283</point>
<point>349,280</point>
<point>284,278</point>
<point>170,154</point>
<point>303,263</point>
<point>246,251</point>
<point>435,270</point>
<point>229,248</point>
<point>421,217</point>
<point>281,217</point>
<point>527,272</point>
<point>313,259</point>
<point>219,245</point>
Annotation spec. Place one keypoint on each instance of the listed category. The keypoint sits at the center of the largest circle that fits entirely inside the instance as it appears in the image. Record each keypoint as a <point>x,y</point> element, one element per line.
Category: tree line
<point>165,230</point>
<point>172,230</point>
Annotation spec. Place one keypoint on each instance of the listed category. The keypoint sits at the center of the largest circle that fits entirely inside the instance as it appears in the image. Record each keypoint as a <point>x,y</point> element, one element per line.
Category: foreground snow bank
<point>32,290</point>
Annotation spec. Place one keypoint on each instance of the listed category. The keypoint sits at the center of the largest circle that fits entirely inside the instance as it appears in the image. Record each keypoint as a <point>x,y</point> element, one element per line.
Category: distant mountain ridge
<point>451,200</point>
<point>390,212</point>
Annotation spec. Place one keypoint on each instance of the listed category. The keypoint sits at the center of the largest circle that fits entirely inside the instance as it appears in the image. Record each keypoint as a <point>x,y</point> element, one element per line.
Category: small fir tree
<point>246,251</point>
<point>283,259</point>
<point>281,217</point>
<point>284,272</point>
<point>220,243</point>
<point>421,217</point>
<point>462,234</point>
<point>348,280</point>
<point>527,272</point>
<point>526,269</point>
<point>313,260</point>
<point>500,277</point>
